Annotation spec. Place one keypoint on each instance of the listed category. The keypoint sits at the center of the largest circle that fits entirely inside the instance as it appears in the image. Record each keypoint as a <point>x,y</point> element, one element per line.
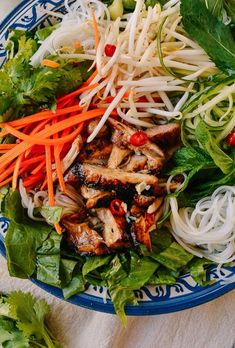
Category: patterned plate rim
<point>154,305</point>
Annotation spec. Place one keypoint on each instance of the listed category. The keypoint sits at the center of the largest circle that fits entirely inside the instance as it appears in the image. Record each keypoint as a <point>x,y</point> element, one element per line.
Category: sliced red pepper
<point>116,207</point>
<point>231,139</point>
<point>139,138</point>
<point>109,50</point>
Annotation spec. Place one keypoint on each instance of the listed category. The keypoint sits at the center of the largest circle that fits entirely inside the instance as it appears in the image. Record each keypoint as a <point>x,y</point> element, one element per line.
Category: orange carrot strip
<point>50,63</point>
<point>91,78</point>
<point>43,141</point>
<point>39,127</point>
<point>5,182</point>
<point>13,153</point>
<point>38,168</point>
<point>61,125</point>
<point>42,115</point>
<point>49,176</point>
<point>32,180</point>
<point>58,228</point>
<point>16,172</point>
<point>33,160</point>
<point>96,28</point>
<point>77,92</point>
<point>6,146</point>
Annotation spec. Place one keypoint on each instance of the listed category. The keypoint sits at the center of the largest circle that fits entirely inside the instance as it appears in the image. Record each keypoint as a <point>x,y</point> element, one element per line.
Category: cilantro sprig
<point>23,322</point>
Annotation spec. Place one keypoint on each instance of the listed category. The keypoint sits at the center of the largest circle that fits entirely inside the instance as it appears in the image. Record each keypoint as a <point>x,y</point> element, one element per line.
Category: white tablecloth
<point>209,326</point>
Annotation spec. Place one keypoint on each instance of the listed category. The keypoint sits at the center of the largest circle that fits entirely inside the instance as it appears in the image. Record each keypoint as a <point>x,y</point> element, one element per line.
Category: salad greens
<point>23,322</point>
<point>211,33</point>
<point>45,256</point>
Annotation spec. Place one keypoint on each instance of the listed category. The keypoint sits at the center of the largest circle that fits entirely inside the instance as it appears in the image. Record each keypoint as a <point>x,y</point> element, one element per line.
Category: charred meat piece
<point>166,134</point>
<point>136,163</point>
<point>97,149</point>
<point>143,201</point>
<point>96,197</point>
<point>143,225</point>
<point>84,239</point>
<point>108,179</point>
<point>113,232</point>
<point>117,156</point>
<point>121,137</point>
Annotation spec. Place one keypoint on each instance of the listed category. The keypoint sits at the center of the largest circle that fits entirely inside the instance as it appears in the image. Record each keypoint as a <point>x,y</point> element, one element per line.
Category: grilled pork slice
<point>84,239</point>
<point>143,225</point>
<point>121,137</point>
<point>107,178</point>
<point>166,134</point>
<point>117,156</point>
<point>97,149</point>
<point>95,197</point>
<point>113,232</point>
<point>136,163</point>
<point>143,201</point>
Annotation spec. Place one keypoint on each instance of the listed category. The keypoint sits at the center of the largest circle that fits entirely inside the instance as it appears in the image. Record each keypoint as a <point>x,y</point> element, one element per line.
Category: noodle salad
<point>118,145</point>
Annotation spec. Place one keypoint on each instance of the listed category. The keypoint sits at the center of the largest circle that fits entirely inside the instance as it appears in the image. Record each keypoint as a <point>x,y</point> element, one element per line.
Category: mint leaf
<point>211,34</point>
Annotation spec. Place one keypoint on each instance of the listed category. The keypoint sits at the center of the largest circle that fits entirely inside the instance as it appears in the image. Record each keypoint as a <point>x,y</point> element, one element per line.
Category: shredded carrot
<point>42,141</point>
<point>77,92</point>
<point>39,167</point>
<point>61,125</point>
<point>91,78</point>
<point>50,63</point>
<point>58,228</point>
<point>39,116</point>
<point>33,180</point>
<point>16,171</point>
<point>96,28</point>
<point>49,176</point>
<point>6,146</point>
<point>5,182</point>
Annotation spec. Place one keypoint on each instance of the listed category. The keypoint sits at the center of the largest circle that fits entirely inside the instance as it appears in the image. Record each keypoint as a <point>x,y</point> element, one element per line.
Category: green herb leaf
<point>211,34</point>
<point>30,316</point>
<point>223,161</point>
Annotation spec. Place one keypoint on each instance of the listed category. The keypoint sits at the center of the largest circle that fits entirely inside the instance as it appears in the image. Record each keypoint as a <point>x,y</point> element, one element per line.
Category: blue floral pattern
<point>155,299</point>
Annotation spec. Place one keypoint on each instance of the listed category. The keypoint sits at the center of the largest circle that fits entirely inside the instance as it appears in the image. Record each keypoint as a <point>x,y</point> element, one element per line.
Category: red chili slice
<point>109,50</point>
<point>116,207</point>
<point>139,138</point>
<point>231,139</point>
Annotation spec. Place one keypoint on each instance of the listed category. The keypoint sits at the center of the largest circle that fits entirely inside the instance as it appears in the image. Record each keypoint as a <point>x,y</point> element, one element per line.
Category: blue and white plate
<point>153,300</point>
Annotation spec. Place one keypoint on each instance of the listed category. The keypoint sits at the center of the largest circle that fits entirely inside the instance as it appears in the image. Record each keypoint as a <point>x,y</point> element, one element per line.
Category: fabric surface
<point>207,326</point>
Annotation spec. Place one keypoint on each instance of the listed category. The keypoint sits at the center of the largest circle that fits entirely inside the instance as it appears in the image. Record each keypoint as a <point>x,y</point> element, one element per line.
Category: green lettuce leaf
<point>174,257</point>
<point>198,271</point>
<point>94,262</point>
<point>48,260</point>
<point>163,276</point>
<point>120,295</point>
<point>51,214</point>
<point>76,285</point>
